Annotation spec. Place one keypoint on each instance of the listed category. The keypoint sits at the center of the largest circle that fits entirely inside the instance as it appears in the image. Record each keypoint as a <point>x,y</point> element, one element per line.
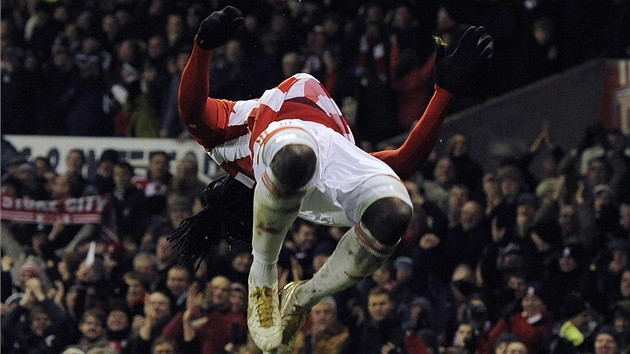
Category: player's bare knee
<point>387,219</point>
<point>294,165</point>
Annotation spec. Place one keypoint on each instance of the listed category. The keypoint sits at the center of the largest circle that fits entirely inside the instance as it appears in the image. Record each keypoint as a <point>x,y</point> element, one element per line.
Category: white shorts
<point>346,180</point>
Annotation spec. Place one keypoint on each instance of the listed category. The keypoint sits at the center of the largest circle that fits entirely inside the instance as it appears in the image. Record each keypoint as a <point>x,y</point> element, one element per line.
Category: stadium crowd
<point>112,68</point>
<point>536,251</point>
<point>529,258</point>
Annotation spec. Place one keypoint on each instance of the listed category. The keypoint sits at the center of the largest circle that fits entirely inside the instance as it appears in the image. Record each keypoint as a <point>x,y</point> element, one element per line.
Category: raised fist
<point>459,72</point>
<point>217,28</point>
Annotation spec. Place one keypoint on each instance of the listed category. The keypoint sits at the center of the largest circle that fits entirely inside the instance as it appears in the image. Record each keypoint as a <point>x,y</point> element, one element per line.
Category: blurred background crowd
<point>529,257</point>
<point>112,68</point>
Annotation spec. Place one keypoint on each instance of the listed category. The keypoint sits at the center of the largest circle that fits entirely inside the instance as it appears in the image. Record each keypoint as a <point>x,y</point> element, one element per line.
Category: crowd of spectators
<point>535,252</point>
<point>112,68</point>
<point>530,257</point>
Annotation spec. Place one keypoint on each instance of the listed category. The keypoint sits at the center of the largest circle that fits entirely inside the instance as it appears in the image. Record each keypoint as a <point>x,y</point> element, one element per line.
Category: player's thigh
<point>357,179</point>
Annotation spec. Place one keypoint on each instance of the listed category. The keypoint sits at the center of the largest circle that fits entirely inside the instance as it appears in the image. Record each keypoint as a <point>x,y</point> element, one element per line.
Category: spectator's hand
<point>136,323</point>
<point>149,310</point>
<point>109,263</point>
<point>283,279</point>
<point>36,288</point>
<point>62,268</point>
<point>579,193</point>
<point>84,272</point>
<point>4,308</point>
<point>296,269</point>
<point>193,299</point>
<point>59,292</point>
<point>497,232</point>
<point>230,348</point>
<point>558,187</point>
<point>58,226</point>
<point>387,348</point>
<point>217,28</point>
<point>429,241</point>
<point>28,301</point>
<point>358,313</point>
<point>457,72</point>
<point>7,263</point>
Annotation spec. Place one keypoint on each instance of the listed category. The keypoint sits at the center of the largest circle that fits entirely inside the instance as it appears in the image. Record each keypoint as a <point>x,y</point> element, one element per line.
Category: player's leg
<point>362,250</point>
<point>287,163</point>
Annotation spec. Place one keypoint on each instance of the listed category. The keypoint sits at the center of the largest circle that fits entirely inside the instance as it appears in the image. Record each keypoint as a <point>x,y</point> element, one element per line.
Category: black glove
<point>217,28</point>
<point>458,72</point>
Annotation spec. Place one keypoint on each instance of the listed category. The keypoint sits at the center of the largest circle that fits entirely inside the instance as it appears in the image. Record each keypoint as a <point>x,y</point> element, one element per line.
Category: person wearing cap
<point>533,325</point>
<point>103,180</point>
<point>500,346</point>
<point>605,210</point>
<point>322,251</point>
<point>420,316</point>
<point>565,273</point>
<point>32,184</point>
<point>402,290</point>
<point>526,206</point>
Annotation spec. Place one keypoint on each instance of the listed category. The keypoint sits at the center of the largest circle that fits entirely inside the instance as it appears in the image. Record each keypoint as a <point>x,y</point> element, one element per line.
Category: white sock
<point>263,273</point>
<point>357,256</point>
<point>273,217</point>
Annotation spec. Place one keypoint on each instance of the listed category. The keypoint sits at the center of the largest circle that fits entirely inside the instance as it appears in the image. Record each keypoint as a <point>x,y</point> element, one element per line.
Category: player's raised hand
<point>217,28</point>
<point>459,72</point>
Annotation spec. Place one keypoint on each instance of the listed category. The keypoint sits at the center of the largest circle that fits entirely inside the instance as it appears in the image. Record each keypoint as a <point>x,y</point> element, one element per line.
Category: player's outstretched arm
<point>202,115</point>
<point>455,74</point>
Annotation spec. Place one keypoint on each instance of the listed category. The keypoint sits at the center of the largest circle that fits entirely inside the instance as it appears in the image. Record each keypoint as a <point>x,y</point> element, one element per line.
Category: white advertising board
<point>134,150</point>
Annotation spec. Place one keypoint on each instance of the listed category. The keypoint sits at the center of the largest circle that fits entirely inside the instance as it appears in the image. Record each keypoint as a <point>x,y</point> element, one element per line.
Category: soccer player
<point>295,149</point>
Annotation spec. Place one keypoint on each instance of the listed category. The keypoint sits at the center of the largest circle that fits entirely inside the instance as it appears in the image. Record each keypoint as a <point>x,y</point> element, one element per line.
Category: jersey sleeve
<point>408,158</point>
<point>205,118</point>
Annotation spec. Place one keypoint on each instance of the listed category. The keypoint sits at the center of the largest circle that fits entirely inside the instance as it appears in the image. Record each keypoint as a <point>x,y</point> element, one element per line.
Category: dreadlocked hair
<point>227,214</point>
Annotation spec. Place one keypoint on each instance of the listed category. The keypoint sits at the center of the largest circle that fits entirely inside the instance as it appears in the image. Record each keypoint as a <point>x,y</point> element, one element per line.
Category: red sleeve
<point>500,328</point>
<point>174,328</point>
<point>408,158</point>
<point>415,344</point>
<point>204,117</point>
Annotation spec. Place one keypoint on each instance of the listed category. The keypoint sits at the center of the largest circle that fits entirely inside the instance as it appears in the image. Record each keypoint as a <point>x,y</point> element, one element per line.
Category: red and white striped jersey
<point>227,129</point>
